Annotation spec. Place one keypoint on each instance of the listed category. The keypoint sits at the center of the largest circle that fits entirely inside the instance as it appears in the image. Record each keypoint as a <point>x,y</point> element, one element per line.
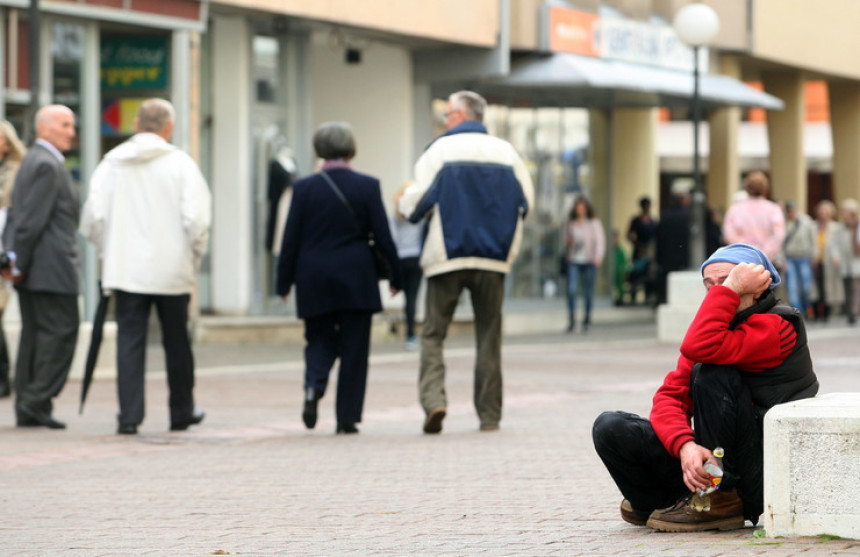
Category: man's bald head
<point>55,124</point>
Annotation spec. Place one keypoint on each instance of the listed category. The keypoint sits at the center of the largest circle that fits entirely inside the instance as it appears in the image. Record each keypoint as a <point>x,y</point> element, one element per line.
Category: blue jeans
<point>798,281</point>
<point>588,271</point>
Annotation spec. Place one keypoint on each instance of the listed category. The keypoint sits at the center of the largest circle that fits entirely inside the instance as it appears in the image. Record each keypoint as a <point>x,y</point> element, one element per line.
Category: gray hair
<point>334,140</point>
<point>472,103</point>
<point>154,115</point>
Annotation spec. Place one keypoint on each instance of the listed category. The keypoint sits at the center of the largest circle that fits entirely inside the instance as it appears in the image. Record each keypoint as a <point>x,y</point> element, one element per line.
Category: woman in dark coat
<point>325,253</point>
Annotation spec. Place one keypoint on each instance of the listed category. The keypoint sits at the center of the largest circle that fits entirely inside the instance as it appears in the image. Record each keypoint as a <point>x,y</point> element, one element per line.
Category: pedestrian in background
<point>585,244</point>
<point>325,254</point>
<point>475,190</point>
<point>149,213</point>
<point>12,151</point>
<point>798,249</point>
<point>642,233</point>
<point>756,220</point>
<point>408,238</point>
<point>829,261</point>
<point>851,254</point>
<point>45,214</point>
<point>673,240</point>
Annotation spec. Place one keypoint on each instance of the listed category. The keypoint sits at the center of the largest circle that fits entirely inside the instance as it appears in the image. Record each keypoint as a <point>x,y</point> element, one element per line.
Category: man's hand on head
<point>748,278</point>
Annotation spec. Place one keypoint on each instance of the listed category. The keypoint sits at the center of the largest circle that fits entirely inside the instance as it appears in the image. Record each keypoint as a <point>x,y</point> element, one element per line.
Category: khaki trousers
<point>443,291</point>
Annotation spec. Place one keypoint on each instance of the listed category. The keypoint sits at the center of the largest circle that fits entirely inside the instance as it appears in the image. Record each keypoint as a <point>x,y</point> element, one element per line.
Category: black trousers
<point>723,415</point>
<point>412,274</point>
<point>132,320</point>
<point>49,333</point>
<point>344,335</point>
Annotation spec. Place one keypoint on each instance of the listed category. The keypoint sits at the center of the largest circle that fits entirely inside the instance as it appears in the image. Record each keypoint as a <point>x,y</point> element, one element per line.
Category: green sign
<point>133,63</point>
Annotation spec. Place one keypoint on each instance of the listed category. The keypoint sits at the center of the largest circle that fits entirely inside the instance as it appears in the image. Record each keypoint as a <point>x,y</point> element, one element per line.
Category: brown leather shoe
<point>628,514</point>
<point>727,513</point>
<point>433,423</point>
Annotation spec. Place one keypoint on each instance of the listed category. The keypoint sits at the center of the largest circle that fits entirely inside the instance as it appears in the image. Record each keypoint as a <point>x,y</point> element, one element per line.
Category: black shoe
<point>127,429</point>
<point>346,428</point>
<point>309,412</point>
<point>433,423</point>
<point>196,417</point>
<point>27,417</point>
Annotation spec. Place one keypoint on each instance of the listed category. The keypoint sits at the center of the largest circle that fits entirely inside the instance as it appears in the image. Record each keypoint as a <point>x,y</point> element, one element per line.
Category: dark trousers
<point>344,335</point>
<point>132,320</point>
<point>412,274</point>
<point>724,415</point>
<point>49,333</point>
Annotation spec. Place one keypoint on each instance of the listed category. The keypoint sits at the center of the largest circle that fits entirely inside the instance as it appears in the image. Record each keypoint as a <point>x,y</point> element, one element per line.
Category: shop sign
<point>643,43</point>
<point>133,63</point>
<point>568,30</point>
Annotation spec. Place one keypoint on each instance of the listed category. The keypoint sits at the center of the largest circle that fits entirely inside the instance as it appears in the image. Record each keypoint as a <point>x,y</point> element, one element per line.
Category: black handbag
<point>383,266</point>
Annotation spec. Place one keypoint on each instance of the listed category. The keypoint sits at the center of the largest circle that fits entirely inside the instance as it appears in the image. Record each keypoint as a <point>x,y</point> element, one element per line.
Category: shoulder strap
<point>343,199</point>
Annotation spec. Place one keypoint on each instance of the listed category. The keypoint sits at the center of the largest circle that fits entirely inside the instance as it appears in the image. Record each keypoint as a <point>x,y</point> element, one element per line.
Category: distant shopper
<point>673,241</point>
<point>756,220</point>
<point>829,261</point>
<point>642,233</point>
<point>148,213</point>
<point>408,237</point>
<point>12,151</point>
<point>744,352</point>
<point>851,251</point>
<point>45,214</point>
<point>799,249</point>
<point>585,242</point>
<point>475,191</point>
<point>325,254</point>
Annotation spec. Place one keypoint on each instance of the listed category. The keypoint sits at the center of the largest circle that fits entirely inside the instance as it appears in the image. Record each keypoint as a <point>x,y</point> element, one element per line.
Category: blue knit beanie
<point>743,253</point>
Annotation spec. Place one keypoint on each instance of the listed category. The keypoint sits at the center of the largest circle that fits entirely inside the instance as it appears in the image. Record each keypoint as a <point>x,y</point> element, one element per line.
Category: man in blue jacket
<point>475,191</point>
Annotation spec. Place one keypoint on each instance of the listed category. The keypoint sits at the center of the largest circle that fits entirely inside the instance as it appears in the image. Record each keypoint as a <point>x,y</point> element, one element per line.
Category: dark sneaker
<point>433,423</point>
<point>631,516</point>
<point>727,513</point>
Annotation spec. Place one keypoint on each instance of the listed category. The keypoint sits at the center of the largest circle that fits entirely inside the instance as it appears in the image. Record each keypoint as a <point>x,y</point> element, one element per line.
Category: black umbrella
<point>95,344</point>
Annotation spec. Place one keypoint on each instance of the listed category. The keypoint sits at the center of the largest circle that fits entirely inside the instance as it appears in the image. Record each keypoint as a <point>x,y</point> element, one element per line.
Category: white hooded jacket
<point>148,213</point>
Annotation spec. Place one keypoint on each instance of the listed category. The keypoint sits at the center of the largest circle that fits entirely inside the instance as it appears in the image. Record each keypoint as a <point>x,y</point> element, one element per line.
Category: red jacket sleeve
<point>761,342</point>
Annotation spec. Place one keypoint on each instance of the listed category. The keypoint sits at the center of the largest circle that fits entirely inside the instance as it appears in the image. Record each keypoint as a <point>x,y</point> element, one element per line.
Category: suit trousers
<point>443,292</point>
<point>344,335</point>
<point>723,413</point>
<point>132,320</point>
<point>49,334</point>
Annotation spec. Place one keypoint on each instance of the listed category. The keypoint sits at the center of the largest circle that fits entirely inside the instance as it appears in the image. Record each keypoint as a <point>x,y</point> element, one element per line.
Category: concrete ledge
<point>812,467</point>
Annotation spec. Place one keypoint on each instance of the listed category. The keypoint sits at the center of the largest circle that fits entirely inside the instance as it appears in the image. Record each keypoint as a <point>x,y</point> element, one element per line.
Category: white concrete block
<point>684,295</point>
<point>812,467</point>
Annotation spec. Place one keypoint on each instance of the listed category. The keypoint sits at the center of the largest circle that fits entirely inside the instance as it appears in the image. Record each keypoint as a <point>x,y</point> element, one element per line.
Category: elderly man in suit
<point>46,208</point>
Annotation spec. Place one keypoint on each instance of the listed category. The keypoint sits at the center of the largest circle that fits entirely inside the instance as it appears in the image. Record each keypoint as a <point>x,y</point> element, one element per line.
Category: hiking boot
<point>631,516</point>
<point>727,513</point>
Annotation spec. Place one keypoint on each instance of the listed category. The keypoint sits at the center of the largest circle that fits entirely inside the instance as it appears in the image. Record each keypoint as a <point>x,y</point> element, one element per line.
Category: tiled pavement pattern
<point>252,481</point>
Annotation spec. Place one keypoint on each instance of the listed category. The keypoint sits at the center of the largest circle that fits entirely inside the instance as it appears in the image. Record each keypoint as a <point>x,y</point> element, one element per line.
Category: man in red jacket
<point>744,352</point>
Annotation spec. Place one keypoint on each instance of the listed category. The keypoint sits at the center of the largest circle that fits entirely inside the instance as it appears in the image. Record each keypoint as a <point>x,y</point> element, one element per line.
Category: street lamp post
<point>697,25</point>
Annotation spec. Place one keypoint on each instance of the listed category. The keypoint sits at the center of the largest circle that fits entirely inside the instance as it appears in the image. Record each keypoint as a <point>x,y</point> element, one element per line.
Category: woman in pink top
<point>756,221</point>
<point>585,244</point>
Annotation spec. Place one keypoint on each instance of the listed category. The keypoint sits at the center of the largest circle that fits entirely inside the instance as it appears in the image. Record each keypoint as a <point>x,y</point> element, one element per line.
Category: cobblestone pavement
<point>252,481</point>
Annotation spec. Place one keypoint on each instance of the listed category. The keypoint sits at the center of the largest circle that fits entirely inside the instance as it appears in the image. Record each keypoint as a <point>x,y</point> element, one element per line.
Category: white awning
<point>563,79</point>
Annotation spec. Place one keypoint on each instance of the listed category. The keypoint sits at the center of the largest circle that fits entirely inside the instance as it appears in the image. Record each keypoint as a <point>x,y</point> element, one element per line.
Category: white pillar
<point>231,165</point>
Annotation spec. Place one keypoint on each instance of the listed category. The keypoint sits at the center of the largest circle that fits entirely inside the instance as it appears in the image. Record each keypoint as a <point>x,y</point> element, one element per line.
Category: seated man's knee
<point>711,377</point>
<point>608,427</point>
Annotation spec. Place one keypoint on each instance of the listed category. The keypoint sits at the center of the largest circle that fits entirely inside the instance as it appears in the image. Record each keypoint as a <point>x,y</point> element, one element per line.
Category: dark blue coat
<point>325,254</point>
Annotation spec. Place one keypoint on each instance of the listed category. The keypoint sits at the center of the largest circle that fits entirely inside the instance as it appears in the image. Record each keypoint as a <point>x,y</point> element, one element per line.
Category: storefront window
<point>67,54</point>
<point>266,57</point>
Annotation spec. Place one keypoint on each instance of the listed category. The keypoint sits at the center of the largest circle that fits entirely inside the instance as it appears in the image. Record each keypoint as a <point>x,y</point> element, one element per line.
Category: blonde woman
<point>829,261</point>
<point>11,153</point>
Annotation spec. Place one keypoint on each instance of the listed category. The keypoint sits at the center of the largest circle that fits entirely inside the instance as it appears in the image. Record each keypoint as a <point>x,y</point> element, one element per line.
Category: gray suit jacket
<point>46,211</point>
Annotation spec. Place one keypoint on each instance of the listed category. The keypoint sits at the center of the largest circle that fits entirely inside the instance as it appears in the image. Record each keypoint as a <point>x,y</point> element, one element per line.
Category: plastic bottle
<point>701,500</point>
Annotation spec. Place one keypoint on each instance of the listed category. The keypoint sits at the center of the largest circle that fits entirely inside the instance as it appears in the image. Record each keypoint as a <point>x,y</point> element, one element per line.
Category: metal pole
<point>35,36</point>
<point>697,207</point>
